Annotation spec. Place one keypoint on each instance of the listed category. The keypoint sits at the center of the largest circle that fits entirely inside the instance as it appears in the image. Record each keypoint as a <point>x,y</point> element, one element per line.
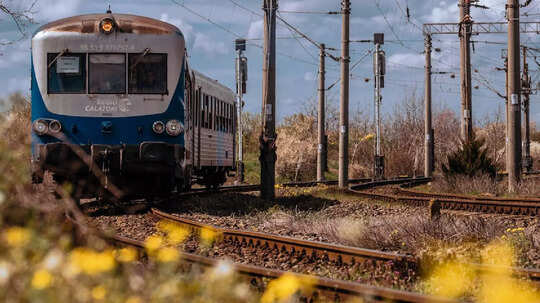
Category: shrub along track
<point>497,205</point>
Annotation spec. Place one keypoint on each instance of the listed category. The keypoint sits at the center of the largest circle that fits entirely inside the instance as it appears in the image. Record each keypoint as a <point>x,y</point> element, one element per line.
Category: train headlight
<point>55,127</point>
<point>106,26</point>
<point>41,127</point>
<point>174,128</point>
<point>158,127</point>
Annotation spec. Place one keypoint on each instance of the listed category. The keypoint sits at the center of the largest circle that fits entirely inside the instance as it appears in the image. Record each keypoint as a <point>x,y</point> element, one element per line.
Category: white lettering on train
<point>109,106</point>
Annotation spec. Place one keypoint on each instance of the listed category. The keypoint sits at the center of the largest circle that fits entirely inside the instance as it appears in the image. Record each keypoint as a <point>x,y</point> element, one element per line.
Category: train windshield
<point>148,74</point>
<point>107,74</point>
<point>66,73</point>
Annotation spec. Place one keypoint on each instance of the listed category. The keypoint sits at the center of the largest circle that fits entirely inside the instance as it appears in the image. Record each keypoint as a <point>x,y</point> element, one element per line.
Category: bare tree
<point>21,17</point>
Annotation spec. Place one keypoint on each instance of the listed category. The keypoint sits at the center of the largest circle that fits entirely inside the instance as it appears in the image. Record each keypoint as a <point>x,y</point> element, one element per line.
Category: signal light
<point>107,25</point>
<point>174,128</point>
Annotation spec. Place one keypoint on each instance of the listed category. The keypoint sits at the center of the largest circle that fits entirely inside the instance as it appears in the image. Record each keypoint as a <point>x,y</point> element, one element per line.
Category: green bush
<point>470,160</point>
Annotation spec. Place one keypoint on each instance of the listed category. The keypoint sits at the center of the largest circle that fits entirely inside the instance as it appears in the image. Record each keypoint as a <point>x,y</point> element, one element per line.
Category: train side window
<point>205,112</point>
<point>107,74</point>
<point>66,74</point>
<point>148,74</point>
<point>212,111</point>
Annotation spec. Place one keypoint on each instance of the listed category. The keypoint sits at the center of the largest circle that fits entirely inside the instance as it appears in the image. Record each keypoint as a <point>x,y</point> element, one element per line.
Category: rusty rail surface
<point>313,249</point>
<point>324,289</point>
<point>499,206</point>
<point>414,193</point>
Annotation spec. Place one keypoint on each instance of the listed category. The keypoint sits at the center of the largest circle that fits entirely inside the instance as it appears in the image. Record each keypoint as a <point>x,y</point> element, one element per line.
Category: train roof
<point>126,24</point>
<point>213,86</point>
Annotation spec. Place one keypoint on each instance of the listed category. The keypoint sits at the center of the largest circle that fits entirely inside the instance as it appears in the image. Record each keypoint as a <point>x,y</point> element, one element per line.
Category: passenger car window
<point>66,74</point>
<point>107,74</point>
<point>148,74</point>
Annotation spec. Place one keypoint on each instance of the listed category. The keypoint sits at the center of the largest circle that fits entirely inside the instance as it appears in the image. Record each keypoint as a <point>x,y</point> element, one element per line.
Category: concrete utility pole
<point>344,101</point>
<point>322,149</point>
<point>379,71</point>
<point>465,59</point>
<point>514,91</point>
<point>268,135</point>
<point>526,89</point>
<point>429,142</point>
<point>241,77</point>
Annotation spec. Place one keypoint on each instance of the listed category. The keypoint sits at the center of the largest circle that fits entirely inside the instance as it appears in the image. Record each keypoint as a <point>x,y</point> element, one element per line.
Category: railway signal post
<point>322,148</point>
<point>343,179</point>
<point>526,91</point>
<point>241,79</point>
<point>267,139</point>
<point>379,71</point>
<point>514,96</point>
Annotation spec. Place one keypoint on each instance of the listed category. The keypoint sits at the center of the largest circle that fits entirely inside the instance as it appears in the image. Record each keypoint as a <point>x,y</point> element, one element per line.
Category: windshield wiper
<point>56,58</point>
<point>139,59</point>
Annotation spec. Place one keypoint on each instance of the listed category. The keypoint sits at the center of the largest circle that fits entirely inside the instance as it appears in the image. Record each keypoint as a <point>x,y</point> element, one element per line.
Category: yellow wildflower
<point>99,292</point>
<point>133,299</point>
<point>286,286</point>
<point>368,137</point>
<point>41,279</point>
<point>177,235</point>
<point>91,262</point>
<point>208,236</point>
<point>451,279</point>
<point>168,254</point>
<point>17,236</point>
<point>126,255</point>
<point>153,243</point>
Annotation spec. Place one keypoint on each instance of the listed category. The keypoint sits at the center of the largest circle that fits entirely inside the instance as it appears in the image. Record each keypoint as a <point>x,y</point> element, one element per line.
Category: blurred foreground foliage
<point>45,257</point>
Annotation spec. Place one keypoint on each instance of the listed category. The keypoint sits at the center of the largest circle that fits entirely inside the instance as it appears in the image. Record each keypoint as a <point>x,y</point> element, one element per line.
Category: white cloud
<point>255,30</point>
<point>186,28</point>
<point>208,45</point>
<point>309,76</point>
<point>398,61</point>
<point>49,10</point>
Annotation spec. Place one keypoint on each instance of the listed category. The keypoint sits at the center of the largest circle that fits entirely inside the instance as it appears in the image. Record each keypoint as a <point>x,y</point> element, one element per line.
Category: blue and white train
<point>114,101</point>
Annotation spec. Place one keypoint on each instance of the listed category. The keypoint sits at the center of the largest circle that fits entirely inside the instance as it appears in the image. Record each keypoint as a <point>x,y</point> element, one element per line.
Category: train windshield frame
<point>148,73</point>
<point>107,73</point>
<point>66,73</point>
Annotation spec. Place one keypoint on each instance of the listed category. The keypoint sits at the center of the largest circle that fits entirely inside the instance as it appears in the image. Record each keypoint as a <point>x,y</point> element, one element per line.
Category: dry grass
<point>484,185</point>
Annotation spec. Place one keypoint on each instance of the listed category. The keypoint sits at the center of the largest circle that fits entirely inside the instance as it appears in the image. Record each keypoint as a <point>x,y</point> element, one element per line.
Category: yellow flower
<point>286,286</point>
<point>91,262</point>
<point>168,254</point>
<point>451,279</point>
<point>126,255</point>
<point>368,137</point>
<point>99,292</point>
<point>41,279</point>
<point>153,243</point>
<point>17,236</point>
<point>133,300</point>
<point>208,236</point>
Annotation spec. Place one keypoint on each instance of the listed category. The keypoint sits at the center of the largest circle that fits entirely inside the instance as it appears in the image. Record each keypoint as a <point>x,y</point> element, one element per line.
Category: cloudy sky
<point>211,47</point>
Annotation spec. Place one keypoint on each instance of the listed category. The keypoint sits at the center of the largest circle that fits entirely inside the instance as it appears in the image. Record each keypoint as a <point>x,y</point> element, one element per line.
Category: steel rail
<point>413,193</point>
<point>324,288</point>
<point>313,249</point>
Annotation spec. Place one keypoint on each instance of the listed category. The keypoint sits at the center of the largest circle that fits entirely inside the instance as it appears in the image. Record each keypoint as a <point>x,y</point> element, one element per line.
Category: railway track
<point>509,206</point>
<point>325,290</point>
<point>314,249</point>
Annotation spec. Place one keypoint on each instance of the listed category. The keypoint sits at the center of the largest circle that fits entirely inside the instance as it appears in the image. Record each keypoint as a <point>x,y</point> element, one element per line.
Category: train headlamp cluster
<point>106,25</point>
<point>173,128</point>
<point>158,127</point>
<point>46,127</point>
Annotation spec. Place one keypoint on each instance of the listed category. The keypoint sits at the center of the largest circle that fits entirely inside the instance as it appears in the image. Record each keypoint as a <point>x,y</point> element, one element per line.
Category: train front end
<point>108,104</point>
